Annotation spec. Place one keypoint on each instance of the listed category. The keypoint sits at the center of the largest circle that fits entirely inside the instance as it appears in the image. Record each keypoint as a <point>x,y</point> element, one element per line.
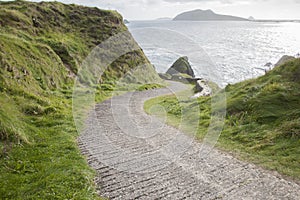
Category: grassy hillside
<point>263,118</point>
<point>42,46</point>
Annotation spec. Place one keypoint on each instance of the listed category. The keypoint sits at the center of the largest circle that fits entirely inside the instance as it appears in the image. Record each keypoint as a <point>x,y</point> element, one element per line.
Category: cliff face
<point>40,38</point>
<point>42,46</point>
<point>205,15</point>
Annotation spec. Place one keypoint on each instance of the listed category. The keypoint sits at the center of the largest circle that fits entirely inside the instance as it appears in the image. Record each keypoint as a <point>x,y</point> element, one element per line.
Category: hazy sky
<point>152,9</point>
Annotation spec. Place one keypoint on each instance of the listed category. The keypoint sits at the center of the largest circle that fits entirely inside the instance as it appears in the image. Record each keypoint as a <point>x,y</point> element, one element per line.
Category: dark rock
<point>181,66</point>
<point>284,59</point>
<point>269,64</point>
<point>198,87</point>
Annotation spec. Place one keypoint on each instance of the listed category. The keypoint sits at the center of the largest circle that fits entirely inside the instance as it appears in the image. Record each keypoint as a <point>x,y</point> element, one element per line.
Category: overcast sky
<point>152,9</point>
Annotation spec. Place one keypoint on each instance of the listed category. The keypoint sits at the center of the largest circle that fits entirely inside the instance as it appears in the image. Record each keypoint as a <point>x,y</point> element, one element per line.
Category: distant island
<point>206,15</point>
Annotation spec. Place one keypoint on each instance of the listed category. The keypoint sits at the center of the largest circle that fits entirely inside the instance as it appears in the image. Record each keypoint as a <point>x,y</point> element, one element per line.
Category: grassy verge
<point>262,121</point>
<point>49,165</point>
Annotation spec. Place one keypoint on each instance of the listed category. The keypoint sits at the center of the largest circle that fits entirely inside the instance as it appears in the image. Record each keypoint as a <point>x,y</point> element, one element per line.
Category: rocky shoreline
<point>181,71</point>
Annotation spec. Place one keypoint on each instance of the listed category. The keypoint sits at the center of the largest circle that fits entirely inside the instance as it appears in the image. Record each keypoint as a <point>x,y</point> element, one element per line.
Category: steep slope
<point>42,46</point>
<point>205,15</point>
<point>262,122</point>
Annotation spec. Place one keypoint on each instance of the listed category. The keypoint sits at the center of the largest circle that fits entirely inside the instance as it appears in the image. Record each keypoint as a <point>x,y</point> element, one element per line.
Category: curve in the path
<point>137,156</point>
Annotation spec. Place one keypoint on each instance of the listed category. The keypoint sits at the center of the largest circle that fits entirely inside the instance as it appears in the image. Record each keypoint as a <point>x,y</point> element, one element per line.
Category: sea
<point>224,52</point>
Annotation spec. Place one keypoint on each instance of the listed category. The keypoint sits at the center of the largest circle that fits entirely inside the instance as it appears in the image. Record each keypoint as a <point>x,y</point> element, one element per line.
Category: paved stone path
<point>137,156</point>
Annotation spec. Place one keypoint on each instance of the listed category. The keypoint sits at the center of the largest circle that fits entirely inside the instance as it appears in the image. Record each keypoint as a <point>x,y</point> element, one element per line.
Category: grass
<point>262,121</point>
<point>46,162</point>
<point>42,48</point>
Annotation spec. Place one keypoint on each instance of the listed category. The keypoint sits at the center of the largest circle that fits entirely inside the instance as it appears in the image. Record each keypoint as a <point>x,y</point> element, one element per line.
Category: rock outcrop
<point>181,66</point>
<point>284,59</point>
<point>181,71</point>
<point>202,89</point>
<point>199,86</point>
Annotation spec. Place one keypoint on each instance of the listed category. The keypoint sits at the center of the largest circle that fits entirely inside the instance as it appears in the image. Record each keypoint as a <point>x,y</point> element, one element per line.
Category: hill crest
<point>206,15</point>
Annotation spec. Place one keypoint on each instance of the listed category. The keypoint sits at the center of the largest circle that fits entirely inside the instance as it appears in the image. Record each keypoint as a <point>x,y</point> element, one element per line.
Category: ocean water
<point>224,52</point>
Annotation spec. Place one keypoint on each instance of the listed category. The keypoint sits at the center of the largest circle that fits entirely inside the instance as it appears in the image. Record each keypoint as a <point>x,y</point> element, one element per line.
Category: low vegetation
<point>262,121</point>
<point>42,46</point>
